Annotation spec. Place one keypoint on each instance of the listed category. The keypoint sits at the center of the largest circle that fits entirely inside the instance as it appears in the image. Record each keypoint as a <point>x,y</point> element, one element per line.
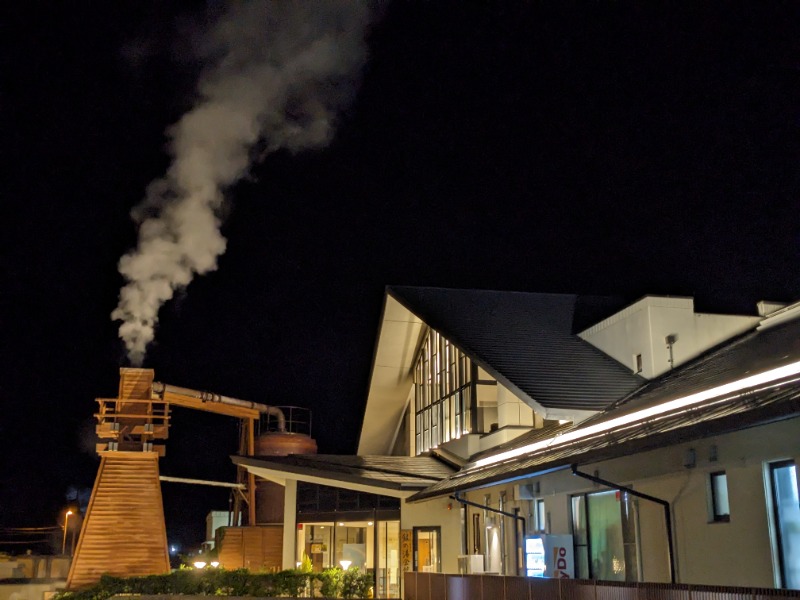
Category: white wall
<point>735,553</point>
<point>440,512</point>
<point>511,411</point>
<point>642,328</point>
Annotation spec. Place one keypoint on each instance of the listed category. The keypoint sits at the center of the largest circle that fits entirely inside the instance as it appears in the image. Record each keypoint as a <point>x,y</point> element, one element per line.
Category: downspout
<point>458,498</point>
<point>632,492</point>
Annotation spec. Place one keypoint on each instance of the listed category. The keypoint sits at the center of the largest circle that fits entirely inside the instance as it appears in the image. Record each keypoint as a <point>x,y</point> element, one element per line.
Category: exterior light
<point>199,565</point>
<point>341,524</point>
<point>345,564</point>
<point>64,542</point>
<point>370,523</point>
<point>214,563</point>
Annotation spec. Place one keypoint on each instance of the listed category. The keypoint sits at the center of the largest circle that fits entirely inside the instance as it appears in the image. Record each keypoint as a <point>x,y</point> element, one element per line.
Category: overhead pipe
<point>162,388</point>
<point>632,492</point>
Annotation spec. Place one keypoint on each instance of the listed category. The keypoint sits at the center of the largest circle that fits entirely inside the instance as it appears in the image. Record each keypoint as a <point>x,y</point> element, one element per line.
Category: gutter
<point>632,492</point>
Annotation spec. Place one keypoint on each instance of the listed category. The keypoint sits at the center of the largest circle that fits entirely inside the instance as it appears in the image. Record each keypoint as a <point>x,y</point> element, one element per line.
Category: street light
<point>64,543</point>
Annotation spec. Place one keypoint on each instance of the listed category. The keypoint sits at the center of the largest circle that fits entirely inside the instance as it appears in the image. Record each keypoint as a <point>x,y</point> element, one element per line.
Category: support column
<point>289,524</point>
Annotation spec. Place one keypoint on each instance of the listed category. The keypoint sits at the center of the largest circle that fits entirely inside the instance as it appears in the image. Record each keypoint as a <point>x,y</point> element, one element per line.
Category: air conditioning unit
<point>469,564</point>
<point>524,491</point>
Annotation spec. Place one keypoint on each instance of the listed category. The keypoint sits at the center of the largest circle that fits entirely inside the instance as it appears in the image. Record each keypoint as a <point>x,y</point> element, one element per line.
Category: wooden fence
<point>440,586</point>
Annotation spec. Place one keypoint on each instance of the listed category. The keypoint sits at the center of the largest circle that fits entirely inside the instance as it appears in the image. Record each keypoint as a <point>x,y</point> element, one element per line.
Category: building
<point>664,441</point>
<point>32,576</point>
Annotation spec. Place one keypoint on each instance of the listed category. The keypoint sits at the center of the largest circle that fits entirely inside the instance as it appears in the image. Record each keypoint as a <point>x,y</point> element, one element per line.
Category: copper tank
<point>269,495</point>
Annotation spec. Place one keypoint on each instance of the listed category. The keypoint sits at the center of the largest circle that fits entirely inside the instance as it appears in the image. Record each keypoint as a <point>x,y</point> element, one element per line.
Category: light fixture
<point>345,564</point>
<point>370,523</point>
<point>64,543</point>
<point>340,524</point>
<point>214,563</point>
<point>199,564</point>
<point>735,386</point>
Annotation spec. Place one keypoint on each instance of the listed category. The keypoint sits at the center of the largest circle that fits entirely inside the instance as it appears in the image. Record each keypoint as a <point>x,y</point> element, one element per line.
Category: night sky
<point>616,148</point>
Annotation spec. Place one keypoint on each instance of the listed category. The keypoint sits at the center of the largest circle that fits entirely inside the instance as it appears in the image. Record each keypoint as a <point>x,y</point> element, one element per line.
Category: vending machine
<point>549,555</point>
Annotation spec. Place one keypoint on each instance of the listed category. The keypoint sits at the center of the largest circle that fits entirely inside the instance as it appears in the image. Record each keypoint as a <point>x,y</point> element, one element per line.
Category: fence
<point>440,586</point>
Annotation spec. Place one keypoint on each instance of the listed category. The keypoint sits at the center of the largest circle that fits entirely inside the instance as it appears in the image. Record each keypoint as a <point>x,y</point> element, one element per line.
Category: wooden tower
<point>123,532</point>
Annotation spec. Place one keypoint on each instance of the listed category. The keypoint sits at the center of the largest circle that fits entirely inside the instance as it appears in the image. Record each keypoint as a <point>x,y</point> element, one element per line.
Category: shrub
<point>292,582</point>
<point>330,582</point>
<point>334,583</point>
<point>356,584</point>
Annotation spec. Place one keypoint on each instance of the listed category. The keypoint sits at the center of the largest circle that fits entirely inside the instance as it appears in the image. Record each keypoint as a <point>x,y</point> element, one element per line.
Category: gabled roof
<point>750,381</point>
<point>527,342</point>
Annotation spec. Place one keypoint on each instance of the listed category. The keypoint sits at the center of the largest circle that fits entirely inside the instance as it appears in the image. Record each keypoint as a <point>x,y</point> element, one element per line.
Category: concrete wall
<point>642,328</point>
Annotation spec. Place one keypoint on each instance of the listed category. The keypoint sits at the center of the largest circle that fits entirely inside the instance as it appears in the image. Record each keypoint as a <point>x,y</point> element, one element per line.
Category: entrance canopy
<point>396,476</point>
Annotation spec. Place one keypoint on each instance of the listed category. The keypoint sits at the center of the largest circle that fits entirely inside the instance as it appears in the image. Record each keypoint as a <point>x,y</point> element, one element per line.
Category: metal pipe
<point>161,388</point>
<point>632,492</point>
<point>238,486</point>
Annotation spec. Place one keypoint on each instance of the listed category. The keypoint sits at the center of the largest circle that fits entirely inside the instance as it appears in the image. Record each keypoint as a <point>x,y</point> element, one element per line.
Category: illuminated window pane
<point>441,390</point>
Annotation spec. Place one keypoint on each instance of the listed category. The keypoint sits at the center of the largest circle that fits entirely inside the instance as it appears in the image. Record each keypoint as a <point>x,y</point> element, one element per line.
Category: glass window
<point>441,393</point>
<point>604,530</point>
<point>580,533</point>
<point>387,575</point>
<point>427,549</point>
<point>786,515</point>
<point>314,539</point>
<point>541,516</point>
<point>720,511</point>
<point>606,549</point>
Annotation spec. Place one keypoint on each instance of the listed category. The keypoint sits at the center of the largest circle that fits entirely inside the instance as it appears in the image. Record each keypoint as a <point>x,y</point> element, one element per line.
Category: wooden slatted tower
<point>123,532</point>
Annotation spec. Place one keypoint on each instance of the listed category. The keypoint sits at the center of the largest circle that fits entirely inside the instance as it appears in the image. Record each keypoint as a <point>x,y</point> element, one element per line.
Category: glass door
<point>427,549</point>
<point>387,574</point>
<point>786,515</point>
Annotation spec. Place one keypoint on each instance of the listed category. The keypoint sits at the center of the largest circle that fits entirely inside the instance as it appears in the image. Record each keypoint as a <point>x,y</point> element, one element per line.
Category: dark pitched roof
<point>749,354</point>
<point>391,472</point>
<point>527,342</point>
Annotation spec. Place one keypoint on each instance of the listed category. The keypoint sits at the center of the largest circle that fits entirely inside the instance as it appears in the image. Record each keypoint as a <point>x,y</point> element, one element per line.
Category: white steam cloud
<point>280,73</point>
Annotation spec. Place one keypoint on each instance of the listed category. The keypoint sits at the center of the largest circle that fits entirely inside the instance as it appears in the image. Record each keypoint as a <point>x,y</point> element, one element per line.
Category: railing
<point>440,586</point>
<point>296,420</point>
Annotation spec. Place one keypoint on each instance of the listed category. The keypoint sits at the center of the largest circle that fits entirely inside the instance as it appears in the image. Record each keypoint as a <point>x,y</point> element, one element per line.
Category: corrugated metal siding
<point>526,342</point>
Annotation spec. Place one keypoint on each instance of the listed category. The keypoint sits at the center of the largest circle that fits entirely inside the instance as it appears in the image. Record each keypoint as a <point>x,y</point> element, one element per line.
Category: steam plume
<point>280,72</point>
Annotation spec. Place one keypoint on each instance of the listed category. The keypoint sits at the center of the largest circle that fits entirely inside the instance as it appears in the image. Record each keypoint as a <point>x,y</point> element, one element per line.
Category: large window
<point>443,393</point>
<point>604,530</point>
<point>786,517</point>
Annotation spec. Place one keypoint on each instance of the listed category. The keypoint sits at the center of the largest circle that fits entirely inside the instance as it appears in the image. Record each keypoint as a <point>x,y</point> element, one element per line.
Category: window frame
<point>444,394</point>
<point>715,515</point>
